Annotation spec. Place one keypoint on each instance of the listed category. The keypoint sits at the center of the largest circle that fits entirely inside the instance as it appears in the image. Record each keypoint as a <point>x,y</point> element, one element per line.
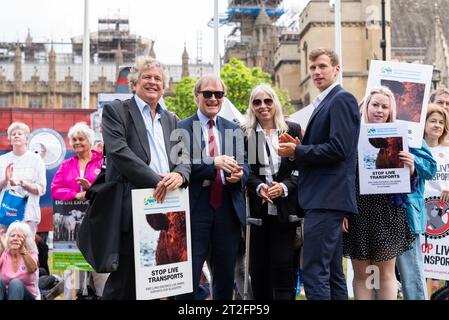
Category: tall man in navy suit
<point>326,161</point>
<point>216,188</point>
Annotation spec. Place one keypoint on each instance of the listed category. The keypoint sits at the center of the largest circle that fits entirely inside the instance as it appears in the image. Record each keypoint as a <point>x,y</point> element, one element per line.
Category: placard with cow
<point>162,244</point>
<point>380,169</point>
<point>410,84</point>
<point>67,218</point>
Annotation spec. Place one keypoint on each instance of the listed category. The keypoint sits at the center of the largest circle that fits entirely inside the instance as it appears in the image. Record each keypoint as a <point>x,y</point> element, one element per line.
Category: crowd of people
<point>293,182</point>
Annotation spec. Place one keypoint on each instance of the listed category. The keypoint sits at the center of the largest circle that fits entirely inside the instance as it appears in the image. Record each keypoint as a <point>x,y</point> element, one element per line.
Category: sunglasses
<point>267,102</point>
<point>217,94</point>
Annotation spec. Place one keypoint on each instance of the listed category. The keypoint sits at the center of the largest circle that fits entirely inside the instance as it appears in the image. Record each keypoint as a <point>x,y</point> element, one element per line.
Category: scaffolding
<point>112,34</point>
<point>243,14</point>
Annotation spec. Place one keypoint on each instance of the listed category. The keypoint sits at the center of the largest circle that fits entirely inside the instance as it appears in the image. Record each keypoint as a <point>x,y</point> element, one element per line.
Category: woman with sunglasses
<point>272,197</point>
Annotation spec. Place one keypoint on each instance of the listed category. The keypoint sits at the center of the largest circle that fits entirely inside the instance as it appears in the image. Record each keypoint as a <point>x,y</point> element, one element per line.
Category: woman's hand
<point>83,182</point>
<point>8,171</point>
<point>408,159</point>
<point>263,193</point>
<point>275,190</point>
<point>345,225</point>
<point>80,195</point>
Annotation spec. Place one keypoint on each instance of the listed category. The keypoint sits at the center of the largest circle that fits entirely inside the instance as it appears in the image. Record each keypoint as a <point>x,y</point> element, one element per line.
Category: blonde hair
<point>18,126</point>
<point>366,101</point>
<point>23,228</point>
<point>251,120</point>
<point>434,108</point>
<point>83,128</point>
<point>146,63</point>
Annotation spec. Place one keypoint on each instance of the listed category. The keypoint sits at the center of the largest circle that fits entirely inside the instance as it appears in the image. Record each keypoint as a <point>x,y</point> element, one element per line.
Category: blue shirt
<point>159,160</point>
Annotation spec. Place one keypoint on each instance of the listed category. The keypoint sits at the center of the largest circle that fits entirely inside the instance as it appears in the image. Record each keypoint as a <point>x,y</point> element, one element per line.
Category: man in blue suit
<point>216,188</point>
<point>326,161</point>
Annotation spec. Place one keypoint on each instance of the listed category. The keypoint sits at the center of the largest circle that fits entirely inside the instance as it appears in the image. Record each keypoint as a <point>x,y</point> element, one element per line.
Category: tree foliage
<point>240,81</point>
<point>183,103</point>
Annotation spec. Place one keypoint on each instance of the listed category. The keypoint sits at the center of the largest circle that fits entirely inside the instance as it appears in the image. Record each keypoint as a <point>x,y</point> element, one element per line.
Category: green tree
<point>183,103</point>
<point>240,80</point>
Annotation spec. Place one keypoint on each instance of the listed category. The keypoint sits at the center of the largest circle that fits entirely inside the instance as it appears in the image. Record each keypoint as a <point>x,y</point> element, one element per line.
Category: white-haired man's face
<point>150,86</point>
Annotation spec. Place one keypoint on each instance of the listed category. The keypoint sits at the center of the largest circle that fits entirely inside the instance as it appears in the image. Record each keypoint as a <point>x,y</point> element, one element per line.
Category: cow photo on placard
<point>67,218</point>
<point>163,240</point>
<point>409,97</point>
<point>388,152</point>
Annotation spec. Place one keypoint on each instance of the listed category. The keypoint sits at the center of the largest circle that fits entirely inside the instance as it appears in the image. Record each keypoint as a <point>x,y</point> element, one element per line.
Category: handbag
<point>99,233</point>
<point>12,207</point>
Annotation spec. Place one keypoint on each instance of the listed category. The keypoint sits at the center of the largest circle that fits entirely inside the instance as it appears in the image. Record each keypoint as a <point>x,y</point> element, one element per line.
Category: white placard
<point>411,85</point>
<point>380,170</point>
<point>436,250</point>
<point>162,244</point>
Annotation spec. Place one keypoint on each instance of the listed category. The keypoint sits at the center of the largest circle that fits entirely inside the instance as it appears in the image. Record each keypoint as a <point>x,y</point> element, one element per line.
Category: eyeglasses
<point>217,94</point>
<point>267,102</point>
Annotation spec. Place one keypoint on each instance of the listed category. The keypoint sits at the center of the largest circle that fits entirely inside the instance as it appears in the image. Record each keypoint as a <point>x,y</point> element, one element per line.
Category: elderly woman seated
<point>18,263</point>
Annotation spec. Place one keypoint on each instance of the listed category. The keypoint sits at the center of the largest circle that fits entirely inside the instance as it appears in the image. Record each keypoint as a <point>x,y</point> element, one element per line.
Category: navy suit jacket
<point>203,167</point>
<point>327,155</point>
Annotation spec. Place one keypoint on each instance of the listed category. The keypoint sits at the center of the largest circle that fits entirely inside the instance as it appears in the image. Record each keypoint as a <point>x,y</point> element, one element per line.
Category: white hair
<point>83,128</point>
<point>23,228</point>
<point>18,126</point>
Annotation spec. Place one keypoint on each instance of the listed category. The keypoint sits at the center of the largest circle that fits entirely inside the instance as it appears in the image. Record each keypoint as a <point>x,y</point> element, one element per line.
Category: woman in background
<point>18,263</point>
<point>23,171</point>
<point>76,175</point>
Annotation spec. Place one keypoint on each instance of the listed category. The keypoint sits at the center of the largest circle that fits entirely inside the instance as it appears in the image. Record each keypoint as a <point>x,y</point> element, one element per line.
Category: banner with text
<point>380,170</point>
<point>162,244</point>
<point>436,247</point>
<point>67,218</point>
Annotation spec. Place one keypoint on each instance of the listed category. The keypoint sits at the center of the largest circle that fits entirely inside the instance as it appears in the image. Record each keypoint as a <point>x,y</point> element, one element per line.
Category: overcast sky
<point>169,22</point>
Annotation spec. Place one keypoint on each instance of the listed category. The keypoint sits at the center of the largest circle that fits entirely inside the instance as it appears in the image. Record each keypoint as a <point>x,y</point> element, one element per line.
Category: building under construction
<point>254,37</point>
<point>113,35</point>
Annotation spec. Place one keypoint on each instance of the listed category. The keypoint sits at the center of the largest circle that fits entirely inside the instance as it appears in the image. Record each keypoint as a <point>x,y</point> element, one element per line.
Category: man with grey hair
<point>441,98</point>
<point>216,190</point>
<point>136,135</point>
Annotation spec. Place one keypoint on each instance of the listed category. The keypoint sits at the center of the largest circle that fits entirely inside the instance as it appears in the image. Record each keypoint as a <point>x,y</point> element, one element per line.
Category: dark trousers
<point>215,236</point>
<point>323,255</point>
<point>271,260</point>
<point>121,284</point>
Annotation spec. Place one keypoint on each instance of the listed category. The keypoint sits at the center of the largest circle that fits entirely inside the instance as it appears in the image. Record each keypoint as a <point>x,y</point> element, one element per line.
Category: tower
<point>185,63</point>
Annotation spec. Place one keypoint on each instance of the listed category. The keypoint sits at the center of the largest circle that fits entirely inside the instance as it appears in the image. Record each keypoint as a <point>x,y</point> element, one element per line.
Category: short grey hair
<point>206,79</point>
<point>18,126</point>
<point>438,92</point>
<point>83,128</point>
<point>24,229</point>
<point>145,63</point>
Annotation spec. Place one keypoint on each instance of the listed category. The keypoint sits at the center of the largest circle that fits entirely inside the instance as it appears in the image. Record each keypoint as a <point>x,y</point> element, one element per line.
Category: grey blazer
<point>128,152</point>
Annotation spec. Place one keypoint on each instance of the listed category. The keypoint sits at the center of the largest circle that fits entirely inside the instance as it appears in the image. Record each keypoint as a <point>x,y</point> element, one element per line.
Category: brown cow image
<point>388,156</point>
<point>172,242</point>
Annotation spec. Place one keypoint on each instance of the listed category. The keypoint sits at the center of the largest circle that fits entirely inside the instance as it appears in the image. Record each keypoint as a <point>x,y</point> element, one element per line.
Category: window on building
<point>35,102</point>
<point>4,101</point>
<point>69,102</point>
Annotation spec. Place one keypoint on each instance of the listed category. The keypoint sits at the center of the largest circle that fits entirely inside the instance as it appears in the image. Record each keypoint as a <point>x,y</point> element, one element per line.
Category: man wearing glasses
<point>216,188</point>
